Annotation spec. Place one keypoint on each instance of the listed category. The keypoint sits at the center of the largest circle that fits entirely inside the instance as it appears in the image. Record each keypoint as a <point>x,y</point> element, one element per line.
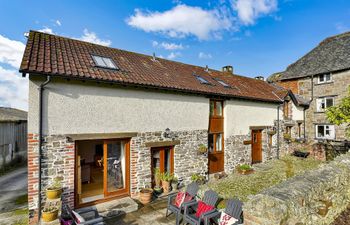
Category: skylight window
<point>202,80</point>
<point>104,62</point>
<point>223,83</point>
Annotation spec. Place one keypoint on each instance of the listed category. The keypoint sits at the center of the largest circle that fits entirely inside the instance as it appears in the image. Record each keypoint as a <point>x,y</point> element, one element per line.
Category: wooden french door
<point>162,158</point>
<point>116,168</point>
<point>216,137</point>
<point>256,146</point>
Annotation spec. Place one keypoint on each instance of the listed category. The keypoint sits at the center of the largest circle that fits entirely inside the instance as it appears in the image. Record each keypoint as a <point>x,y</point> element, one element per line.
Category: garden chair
<point>191,190</point>
<point>233,208</point>
<point>210,198</point>
<point>79,216</point>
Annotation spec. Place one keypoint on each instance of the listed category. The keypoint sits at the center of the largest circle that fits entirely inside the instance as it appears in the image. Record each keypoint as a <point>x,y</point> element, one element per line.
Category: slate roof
<point>332,54</point>
<point>47,54</point>
<point>282,93</point>
<point>12,115</point>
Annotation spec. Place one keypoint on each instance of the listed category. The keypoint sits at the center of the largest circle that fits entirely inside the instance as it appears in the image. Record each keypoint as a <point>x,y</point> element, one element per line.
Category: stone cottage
<point>322,76</point>
<point>104,119</point>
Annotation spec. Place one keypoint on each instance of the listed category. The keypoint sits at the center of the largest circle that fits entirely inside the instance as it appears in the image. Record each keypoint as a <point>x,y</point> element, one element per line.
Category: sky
<point>256,37</point>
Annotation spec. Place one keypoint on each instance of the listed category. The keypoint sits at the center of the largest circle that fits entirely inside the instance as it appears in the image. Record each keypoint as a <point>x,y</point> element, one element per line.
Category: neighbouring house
<point>104,119</point>
<point>13,135</point>
<point>322,76</point>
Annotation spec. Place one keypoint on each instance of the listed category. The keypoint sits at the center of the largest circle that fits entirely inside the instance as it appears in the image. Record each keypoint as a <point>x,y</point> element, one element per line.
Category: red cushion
<point>188,198</point>
<point>203,208</point>
<point>179,199</point>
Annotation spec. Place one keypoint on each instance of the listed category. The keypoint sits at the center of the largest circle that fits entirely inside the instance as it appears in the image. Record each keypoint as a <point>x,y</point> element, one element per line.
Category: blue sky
<point>256,37</point>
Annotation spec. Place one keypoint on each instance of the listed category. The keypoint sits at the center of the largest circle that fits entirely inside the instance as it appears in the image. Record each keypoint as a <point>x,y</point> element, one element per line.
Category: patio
<point>153,213</point>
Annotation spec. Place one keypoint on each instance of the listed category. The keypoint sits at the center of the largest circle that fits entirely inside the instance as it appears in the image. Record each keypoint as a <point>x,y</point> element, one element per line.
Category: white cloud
<point>167,46</point>
<point>13,89</point>
<point>203,55</point>
<point>249,10</point>
<point>182,21</point>
<point>11,51</point>
<point>173,55</point>
<point>47,30</point>
<point>92,37</point>
<point>341,27</point>
<point>58,22</point>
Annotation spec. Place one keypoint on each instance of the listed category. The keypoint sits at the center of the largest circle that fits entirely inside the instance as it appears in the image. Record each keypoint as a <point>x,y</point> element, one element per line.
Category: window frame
<point>324,77</point>
<point>215,114</point>
<point>94,56</point>
<point>323,100</point>
<point>215,136</point>
<point>331,129</point>
<point>223,83</point>
<point>202,80</point>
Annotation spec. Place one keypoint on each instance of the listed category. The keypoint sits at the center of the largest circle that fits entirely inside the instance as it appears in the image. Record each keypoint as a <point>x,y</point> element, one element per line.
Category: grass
<point>21,199</point>
<point>265,176</point>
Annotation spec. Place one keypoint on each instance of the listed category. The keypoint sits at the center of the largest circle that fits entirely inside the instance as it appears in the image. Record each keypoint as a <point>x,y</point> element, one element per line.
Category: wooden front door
<point>256,146</point>
<point>162,159</point>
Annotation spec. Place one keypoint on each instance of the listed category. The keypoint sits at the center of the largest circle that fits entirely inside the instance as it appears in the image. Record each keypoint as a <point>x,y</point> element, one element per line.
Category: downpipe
<point>41,94</point>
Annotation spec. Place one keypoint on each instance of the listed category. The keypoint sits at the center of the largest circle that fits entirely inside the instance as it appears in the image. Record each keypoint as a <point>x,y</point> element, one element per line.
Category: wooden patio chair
<point>233,208</point>
<point>210,198</point>
<point>192,190</point>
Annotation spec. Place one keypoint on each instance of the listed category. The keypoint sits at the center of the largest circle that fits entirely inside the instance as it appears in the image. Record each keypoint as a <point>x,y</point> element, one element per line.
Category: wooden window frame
<point>161,162</point>
<point>215,115</point>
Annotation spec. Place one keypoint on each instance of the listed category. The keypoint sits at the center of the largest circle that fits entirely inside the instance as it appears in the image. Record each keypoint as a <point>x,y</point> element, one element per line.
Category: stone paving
<point>150,214</point>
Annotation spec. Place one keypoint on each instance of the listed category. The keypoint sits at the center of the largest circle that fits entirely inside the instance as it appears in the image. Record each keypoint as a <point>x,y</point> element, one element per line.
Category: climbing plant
<point>340,114</point>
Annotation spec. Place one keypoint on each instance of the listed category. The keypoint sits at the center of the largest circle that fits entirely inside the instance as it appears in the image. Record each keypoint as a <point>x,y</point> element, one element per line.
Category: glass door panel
<point>115,166</point>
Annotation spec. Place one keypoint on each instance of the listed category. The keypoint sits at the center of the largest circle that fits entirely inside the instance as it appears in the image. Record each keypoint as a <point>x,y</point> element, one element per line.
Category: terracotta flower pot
<point>53,193</point>
<point>50,216</point>
<point>166,186</point>
<point>146,195</point>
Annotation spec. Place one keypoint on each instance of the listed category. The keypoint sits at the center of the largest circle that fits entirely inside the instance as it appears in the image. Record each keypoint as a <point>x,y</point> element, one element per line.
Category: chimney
<point>259,78</point>
<point>227,69</point>
<point>206,68</point>
<point>154,58</point>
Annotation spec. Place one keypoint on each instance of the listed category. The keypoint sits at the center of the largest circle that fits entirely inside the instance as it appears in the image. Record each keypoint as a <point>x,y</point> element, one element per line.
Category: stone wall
<point>187,161</point>
<point>315,197</point>
<point>236,152</point>
<point>57,161</point>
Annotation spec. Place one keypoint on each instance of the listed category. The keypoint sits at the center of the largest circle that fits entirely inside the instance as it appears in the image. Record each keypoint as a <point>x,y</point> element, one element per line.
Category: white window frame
<point>323,100</point>
<point>327,127</point>
<point>324,78</point>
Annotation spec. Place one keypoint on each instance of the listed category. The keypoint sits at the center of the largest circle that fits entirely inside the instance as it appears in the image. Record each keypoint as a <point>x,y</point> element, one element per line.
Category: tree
<point>340,114</point>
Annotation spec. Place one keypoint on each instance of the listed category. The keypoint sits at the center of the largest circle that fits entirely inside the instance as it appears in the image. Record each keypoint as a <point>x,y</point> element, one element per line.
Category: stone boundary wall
<point>316,197</point>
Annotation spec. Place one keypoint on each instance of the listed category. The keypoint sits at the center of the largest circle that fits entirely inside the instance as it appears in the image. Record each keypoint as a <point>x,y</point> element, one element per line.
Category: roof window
<point>223,83</point>
<point>201,79</point>
<point>104,62</point>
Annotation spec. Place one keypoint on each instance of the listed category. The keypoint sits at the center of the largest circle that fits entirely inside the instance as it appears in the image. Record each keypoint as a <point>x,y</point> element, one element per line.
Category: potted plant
<point>157,177</point>
<point>166,179</point>
<point>50,213</point>
<point>202,149</point>
<point>196,177</point>
<point>146,195</point>
<point>245,169</point>
<point>158,190</point>
<point>174,184</point>
<point>287,137</point>
<point>54,191</point>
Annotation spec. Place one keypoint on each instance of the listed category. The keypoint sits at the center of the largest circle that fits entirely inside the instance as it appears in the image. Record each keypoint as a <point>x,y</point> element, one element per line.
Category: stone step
<point>115,207</point>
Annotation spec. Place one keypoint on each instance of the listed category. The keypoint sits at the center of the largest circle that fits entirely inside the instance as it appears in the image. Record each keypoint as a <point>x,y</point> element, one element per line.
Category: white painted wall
<point>72,107</point>
<point>240,115</point>
<point>297,112</point>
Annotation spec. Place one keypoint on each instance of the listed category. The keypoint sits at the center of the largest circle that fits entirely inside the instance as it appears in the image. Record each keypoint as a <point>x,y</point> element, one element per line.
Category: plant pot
<point>245,172</point>
<point>146,195</point>
<point>158,190</point>
<point>174,186</point>
<point>54,193</point>
<point>50,216</point>
<point>166,186</point>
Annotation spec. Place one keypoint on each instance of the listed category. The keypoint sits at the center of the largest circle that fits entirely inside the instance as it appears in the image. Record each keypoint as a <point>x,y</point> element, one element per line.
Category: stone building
<point>322,77</point>
<point>104,119</point>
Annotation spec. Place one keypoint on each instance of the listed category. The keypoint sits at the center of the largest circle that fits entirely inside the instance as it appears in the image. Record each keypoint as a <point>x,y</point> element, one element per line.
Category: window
<point>202,80</point>
<point>299,130</point>
<point>223,83</point>
<point>324,103</point>
<point>325,131</point>
<point>216,108</point>
<point>104,62</point>
<point>215,142</point>
<point>324,78</point>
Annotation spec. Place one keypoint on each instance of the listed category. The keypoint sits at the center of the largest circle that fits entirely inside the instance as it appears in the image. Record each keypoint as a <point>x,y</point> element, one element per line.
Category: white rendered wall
<point>72,107</point>
<point>240,115</point>
<point>297,112</point>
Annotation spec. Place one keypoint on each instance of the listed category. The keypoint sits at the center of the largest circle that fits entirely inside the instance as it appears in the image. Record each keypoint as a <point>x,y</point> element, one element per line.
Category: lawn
<point>265,176</point>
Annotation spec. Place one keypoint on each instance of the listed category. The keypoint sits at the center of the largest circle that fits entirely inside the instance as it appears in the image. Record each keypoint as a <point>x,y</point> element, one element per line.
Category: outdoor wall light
<point>167,133</point>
